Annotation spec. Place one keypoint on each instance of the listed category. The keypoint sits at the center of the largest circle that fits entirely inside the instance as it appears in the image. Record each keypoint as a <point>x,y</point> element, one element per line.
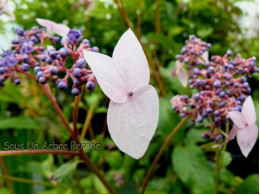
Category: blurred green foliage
<point>187,165</point>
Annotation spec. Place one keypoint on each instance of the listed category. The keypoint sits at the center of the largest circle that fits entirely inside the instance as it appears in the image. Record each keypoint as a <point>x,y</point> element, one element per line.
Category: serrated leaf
<point>191,165</point>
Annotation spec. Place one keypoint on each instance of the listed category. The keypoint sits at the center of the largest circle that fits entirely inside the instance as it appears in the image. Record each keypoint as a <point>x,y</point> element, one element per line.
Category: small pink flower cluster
<point>218,86</point>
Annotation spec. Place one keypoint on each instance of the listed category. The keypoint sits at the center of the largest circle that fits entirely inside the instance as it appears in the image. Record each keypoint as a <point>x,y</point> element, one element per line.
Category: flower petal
<point>178,64</point>
<point>107,76</point>
<point>237,118</point>
<point>130,61</point>
<point>248,111</point>
<point>132,124</point>
<point>205,57</point>
<point>46,23</point>
<point>246,138</point>
<point>59,29</point>
<point>232,134</point>
<point>183,76</point>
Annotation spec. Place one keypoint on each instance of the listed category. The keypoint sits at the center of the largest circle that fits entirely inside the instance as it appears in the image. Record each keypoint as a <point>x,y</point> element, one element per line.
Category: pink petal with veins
<point>246,138</point>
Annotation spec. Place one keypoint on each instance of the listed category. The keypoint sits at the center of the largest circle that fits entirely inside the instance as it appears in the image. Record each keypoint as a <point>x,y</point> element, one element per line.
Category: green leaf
<point>194,136</point>
<point>191,165</point>
<point>114,159</point>
<point>227,159</point>
<point>205,32</point>
<point>99,186</point>
<point>19,123</point>
<point>64,172</point>
<point>250,185</point>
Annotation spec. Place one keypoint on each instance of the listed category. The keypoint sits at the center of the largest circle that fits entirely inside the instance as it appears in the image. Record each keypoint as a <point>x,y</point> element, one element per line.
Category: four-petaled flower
<point>245,128</point>
<point>134,107</point>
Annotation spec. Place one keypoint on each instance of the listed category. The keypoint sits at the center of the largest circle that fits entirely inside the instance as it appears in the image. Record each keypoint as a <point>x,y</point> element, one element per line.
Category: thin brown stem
<point>75,114</point>
<point>5,172</point>
<point>83,155</point>
<point>159,154</point>
<point>31,152</point>
<point>122,11</point>
<point>139,19</point>
<point>22,180</point>
<point>47,91</point>
<point>87,121</point>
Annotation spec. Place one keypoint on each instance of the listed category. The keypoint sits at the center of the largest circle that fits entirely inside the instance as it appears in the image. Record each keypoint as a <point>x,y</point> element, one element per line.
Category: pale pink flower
<point>134,107</point>
<point>245,128</point>
<point>59,29</point>
<point>181,73</point>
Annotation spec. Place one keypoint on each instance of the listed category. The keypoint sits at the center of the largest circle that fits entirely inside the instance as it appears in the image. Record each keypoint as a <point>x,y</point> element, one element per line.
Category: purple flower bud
<point>216,113</point>
<point>53,55</point>
<point>196,97</point>
<point>54,70</point>
<point>2,70</point>
<point>245,85</point>
<point>229,53</point>
<point>43,58</point>
<point>222,94</point>
<point>74,35</point>
<point>252,63</point>
<point>25,67</point>
<point>243,79</point>
<point>184,50</point>
<point>37,69</point>
<point>196,71</point>
<point>64,52</point>
<point>90,86</point>
<point>222,104</point>
<point>211,69</point>
<point>209,110</point>
<point>86,41</point>
<point>177,57</point>
<point>39,74</point>
<point>75,91</point>
<point>17,81</point>
<point>95,49</point>
<point>77,72</point>
<point>42,80</point>
<point>81,63</point>
<point>19,31</point>
<point>217,84</point>
<point>49,60</point>
<point>62,85</point>
<point>199,119</point>
<point>207,64</point>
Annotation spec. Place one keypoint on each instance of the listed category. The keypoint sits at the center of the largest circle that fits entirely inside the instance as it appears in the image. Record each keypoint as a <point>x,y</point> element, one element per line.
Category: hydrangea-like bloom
<point>134,107</point>
<point>219,86</point>
<point>28,51</point>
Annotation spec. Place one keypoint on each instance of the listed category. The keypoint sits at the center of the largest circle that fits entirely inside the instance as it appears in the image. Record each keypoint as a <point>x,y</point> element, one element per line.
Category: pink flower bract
<point>134,107</point>
<point>59,29</point>
<point>245,127</point>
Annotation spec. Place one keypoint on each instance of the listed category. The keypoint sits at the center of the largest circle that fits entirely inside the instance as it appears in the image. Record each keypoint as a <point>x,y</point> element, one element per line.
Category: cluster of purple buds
<point>28,51</point>
<point>193,48</point>
<point>218,86</point>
